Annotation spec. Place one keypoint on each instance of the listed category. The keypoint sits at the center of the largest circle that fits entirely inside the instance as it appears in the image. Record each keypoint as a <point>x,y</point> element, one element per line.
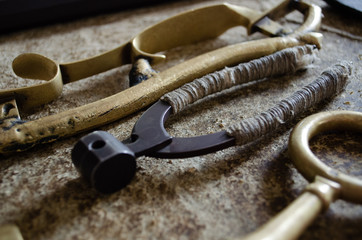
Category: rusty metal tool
<point>186,28</point>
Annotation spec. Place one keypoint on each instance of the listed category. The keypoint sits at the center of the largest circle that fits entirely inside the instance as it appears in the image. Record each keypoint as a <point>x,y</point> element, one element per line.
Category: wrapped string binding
<point>287,61</point>
<point>329,83</point>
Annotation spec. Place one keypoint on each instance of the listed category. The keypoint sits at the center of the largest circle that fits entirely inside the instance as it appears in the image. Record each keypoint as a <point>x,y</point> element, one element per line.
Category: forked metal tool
<point>109,165</point>
<point>185,28</point>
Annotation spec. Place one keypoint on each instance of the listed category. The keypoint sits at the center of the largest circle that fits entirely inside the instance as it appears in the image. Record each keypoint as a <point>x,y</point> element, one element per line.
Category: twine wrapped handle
<point>329,83</point>
<point>287,61</point>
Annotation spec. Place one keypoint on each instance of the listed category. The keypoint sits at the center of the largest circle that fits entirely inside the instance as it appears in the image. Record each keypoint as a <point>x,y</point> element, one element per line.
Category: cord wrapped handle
<point>286,61</point>
<point>329,83</point>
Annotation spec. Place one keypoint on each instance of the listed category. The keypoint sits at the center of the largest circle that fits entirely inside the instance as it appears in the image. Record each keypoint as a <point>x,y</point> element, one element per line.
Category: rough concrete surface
<point>222,195</point>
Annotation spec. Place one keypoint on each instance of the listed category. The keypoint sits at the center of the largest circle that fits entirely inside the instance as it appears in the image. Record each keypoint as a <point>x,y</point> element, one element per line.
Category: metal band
<point>309,165</point>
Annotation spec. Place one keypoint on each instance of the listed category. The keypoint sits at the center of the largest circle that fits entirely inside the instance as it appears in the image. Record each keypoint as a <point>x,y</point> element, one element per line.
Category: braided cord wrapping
<point>329,83</point>
<point>286,61</point>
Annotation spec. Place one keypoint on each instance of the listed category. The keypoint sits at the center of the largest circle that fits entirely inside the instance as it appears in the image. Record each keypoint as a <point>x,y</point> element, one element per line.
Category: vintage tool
<point>189,27</point>
<point>109,165</point>
<point>328,185</point>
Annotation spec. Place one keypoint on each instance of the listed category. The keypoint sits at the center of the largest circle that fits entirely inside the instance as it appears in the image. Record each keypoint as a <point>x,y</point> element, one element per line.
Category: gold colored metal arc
<point>38,67</point>
<point>50,128</point>
<point>185,28</point>
<point>309,165</point>
<point>192,26</point>
<point>328,184</point>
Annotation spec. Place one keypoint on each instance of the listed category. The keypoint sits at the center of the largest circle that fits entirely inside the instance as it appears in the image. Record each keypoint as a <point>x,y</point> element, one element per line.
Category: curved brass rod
<point>309,165</point>
<point>327,184</point>
<point>17,135</point>
<point>185,28</point>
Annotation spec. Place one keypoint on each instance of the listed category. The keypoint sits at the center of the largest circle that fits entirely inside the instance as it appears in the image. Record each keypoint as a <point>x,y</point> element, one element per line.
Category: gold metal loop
<point>309,165</point>
<point>185,28</point>
<point>194,26</point>
<point>38,67</point>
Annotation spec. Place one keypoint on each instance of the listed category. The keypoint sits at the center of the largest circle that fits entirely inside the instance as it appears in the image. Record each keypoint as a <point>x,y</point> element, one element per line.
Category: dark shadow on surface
<point>73,199</point>
<point>339,221</point>
<point>24,15</point>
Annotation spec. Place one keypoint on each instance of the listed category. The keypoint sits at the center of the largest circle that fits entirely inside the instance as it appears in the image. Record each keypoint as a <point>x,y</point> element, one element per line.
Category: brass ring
<point>309,165</point>
<point>37,67</point>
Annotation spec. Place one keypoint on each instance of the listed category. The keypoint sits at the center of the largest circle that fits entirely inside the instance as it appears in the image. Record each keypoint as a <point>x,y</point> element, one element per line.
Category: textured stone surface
<point>221,195</point>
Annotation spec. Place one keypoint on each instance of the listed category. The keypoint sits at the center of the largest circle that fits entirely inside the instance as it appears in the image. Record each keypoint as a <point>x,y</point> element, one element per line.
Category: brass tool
<point>328,184</point>
<point>185,28</point>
